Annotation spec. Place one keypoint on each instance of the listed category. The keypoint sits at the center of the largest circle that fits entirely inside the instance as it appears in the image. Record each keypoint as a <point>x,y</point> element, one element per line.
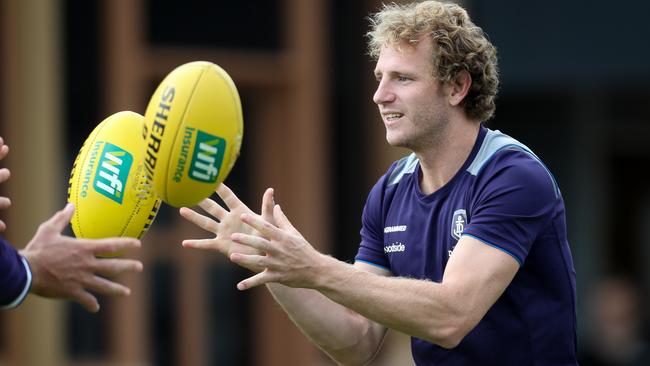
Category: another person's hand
<point>4,175</point>
<point>67,267</point>
<point>224,223</point>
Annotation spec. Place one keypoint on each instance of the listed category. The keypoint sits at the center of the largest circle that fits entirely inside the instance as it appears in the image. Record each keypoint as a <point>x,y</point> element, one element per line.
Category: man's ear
<point>459,87</point>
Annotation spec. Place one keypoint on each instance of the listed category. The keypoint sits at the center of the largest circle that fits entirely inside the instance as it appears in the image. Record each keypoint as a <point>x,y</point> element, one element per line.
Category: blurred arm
<point>68,268</point>
<point>15,275</point>
<point>5,202</point>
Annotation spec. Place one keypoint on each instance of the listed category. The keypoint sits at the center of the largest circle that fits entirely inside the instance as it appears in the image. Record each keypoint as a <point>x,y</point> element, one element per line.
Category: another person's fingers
<point>5,174</point>
<point>87,300</point>
<point>4,150</point>
<point>115,267</point>
<point>61,218</point>
<point>106,287</point>
<point>5,202</point>
<point>109,245</point>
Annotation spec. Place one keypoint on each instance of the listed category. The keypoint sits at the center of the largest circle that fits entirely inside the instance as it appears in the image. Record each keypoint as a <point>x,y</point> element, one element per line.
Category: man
<point>463,242</point>
<point>57,266</point>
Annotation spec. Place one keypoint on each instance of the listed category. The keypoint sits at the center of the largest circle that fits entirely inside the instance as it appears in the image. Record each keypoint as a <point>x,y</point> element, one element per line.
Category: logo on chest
<point>397,246</point>
<point>458,223</point>
<point>394,248</point>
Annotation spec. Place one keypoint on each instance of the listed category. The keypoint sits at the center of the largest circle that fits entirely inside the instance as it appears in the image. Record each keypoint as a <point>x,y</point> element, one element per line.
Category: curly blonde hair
<point>458,45</point>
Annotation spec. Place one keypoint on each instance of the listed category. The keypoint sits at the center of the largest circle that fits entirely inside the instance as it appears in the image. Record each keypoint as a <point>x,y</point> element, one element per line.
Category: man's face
<point>412,103</point>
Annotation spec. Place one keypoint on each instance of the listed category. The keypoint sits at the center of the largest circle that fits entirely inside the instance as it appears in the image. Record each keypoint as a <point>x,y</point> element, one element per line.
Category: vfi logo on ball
<point>207,157</point>
<point>112,172</point>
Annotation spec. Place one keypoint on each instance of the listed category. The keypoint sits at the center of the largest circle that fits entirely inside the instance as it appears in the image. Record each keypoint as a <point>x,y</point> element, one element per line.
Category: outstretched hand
<point>5,202</point>
<point>224,222</point>
<point>67,267</point>
<point>287,257</point>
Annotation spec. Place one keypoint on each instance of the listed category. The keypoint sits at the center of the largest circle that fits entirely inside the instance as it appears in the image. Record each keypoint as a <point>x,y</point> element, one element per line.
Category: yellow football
<point>194,128</point>
<point>108,184</point>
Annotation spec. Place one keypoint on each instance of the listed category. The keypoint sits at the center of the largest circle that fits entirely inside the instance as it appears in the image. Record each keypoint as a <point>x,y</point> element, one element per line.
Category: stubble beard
<point>430,132</point>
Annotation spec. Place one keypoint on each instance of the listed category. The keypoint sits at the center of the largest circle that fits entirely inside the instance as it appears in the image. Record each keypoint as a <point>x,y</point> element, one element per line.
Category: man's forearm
<point>344,335</point>
<point>440,313</point>
<point>419,308</point>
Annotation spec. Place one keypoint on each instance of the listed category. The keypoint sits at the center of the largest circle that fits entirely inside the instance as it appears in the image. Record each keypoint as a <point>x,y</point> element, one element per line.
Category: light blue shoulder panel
<point>405,165</point>
<point>496,141</point>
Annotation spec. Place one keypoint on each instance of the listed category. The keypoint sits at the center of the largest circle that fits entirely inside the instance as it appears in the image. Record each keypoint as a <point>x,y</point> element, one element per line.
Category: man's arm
<point>441,313</point>
<point>345,335</point>
<point>58,266</point>
<point>67,268</point>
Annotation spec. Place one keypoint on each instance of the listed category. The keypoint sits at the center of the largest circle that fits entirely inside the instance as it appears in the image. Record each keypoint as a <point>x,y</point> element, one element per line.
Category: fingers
<point>87,300</point>
<point>249,260</point>
<point>265,228</point>
<point>267,205</point>
<point>94,281</point>
<point>252,241</point>
<point>5,202</point>
<point>205,244</point>
<point>101,286</point>
<point>3,226</point>
<point>228,197</point>
<point>109,245</point>
<point>106,287</point>
<point>4,175</point>
<point>199,220</point>
<point>61,218</point>
<point>213,208</point>
<point>283,222</point>
<point>254,281</point>
<point>116,267</point>
<point>196,243</point>
<point>4,149</point>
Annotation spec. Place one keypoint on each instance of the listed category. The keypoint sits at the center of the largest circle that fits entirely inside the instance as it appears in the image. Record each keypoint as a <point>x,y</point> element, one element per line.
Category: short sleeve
<point>515,198</point>
<point>371,249</point>
<point>15,276</point>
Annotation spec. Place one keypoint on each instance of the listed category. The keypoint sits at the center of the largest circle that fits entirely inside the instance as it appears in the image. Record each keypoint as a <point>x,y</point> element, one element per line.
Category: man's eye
<point>403,78</point>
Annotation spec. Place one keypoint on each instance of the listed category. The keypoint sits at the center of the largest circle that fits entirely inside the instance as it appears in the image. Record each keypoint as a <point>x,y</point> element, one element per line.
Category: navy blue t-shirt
<point>505,197</point>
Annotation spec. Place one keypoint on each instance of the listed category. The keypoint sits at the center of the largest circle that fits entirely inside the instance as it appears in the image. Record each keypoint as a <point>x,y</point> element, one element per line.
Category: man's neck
<point>440,163</point>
